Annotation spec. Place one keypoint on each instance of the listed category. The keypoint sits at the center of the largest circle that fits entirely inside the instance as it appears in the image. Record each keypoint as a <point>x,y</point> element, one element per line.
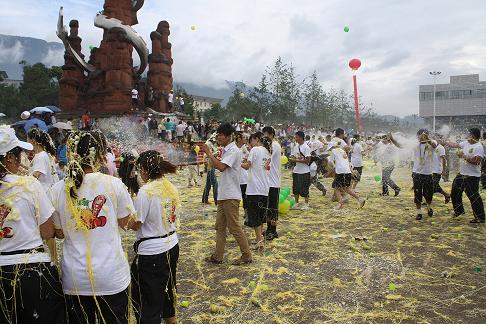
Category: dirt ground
<point>374,265</point>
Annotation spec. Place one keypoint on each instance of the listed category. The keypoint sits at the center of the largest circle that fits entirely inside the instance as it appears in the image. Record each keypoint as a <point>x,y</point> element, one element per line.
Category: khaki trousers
<point>228,216</point>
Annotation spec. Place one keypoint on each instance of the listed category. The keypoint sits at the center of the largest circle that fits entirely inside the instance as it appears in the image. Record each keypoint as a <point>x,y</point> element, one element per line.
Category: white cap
<point>9,141</point>
<point>25,115</point>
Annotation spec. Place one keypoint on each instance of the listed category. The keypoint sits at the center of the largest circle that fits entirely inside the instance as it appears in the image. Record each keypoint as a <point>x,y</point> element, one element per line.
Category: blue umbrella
<point>41,110</point>
<point>35,121</point>
<point>54,109</point>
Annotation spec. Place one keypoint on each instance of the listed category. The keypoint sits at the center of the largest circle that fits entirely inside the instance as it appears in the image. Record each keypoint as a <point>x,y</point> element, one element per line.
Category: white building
<point>201,103</point>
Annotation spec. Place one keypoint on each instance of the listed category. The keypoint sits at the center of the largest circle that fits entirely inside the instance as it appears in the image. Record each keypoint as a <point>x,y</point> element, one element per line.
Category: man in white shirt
<point>423,185</point>
<point>356,159</point>
<point>135,98</point>
<point>180,131</point>
<point>471,154</point>
<point>229,196</point>
<point>439,167</point>
<point>301,156</point>
<point>170,100</point>
<point>274,178</point>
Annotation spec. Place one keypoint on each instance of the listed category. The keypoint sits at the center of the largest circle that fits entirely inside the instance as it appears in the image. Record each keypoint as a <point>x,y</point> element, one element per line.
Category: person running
<point>29,281</point>
<point>439,167</point>
<point>469,175</point>
<point>90,208</point>
<point>43,165</point>
<point>423,185</point>
<point>229,196</point>
<point>301,156</point>
<point>157,247</point>
<point>386,155</point>
<point>274,178</point>
<point>258,165</point>
<point>342,181</point>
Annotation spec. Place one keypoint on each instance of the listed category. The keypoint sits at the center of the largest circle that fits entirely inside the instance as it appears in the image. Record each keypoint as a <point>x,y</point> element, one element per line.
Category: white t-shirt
<point>156,205</point>
<point>304,152</point>
<point>134,94</point>
<point>386,153</point>
<point>229,179</point>
<point>422,159</point>
<point>98,249</point>
<point>274,175</point>
<point>437,166</point>
<point>24,206</point>
<point>258,183</point>
<point>357,155</point>
<point>180,130</point>
<point>44,164</point>
<point>170,98</point>
<point>342,143</point>
<point>340,160</point>
<point>244,173</point>
<point>471,150</point>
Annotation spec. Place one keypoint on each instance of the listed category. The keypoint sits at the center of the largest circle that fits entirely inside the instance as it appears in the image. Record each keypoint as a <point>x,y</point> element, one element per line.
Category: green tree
<point>40,85</point>
<point>12,103</point>
<point>188,101</point>
<point>215,112</point>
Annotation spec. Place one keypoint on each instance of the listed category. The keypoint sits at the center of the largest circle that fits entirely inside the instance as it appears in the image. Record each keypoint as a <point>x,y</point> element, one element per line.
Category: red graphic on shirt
<point>172,216</point>
<point>5,232</point>
<point>90,218</point>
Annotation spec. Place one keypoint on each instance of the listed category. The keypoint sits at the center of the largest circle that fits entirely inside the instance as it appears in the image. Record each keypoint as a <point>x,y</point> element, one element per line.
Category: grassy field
<point>371,265</point>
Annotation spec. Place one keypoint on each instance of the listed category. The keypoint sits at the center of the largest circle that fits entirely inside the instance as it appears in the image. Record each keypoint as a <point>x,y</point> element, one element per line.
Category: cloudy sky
<point>398,41</point>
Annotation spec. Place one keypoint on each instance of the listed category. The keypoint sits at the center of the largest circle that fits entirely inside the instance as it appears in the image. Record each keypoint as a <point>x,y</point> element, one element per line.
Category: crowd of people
<point>73,188</point>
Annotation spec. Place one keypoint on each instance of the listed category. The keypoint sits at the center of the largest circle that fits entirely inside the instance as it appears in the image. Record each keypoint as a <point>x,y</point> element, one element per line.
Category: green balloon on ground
<point>377,178</point>
<point>284,207</point>
<point>286,191</point>
<point>346,29</point>
<point>291,201</point>
<point>281,198</point>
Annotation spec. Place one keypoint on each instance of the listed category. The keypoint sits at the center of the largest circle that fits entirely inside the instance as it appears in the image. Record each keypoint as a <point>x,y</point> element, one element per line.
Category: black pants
<point>154,285</point>
<point>243,195</point>
<point>31,293</point>
<point>387,180</point>
<point>436,180</point>
<point>483,173</point>
<point>423,187</point>
<point>104,309</point>
<point>471,186</point>
<point>272,211</point>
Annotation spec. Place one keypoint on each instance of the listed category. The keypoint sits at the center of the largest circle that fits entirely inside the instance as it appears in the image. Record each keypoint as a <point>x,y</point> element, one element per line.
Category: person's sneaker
<point>458,214</point>
<point>476,221</point>
<point>418,217</point>
<point>362,202</point>
<point>304,207</point>
<point>430,212</point>
<point>397,192</point>
<point>297,206</point>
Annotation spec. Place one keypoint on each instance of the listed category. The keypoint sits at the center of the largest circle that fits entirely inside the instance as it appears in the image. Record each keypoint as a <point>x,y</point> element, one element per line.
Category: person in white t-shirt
<point>258,166</point>
<point>242,142</point>
<point>301,180</point>
<point>180,128</point>
<point>154,268</point>
<point>229,196</point>
<point>386,154</point>
<point>28,274</point>
<point>43,165</point>
<point>90,208</point>
<point>135,98</point>
<point>356,160</point>
<point>342,168</point>
<point>274,178</point>
<point>423,185</point>
<point>439,167</point>
<point>471,153</point>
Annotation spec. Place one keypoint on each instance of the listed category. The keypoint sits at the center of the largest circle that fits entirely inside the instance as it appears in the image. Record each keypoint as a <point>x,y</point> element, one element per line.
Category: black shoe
<point>477,221</point>
<point>384,194</point>
<point>270,236</point>
<point>458,214</point>
<point>418,217</point>
<point>397,192</point>
<point>430,212</point>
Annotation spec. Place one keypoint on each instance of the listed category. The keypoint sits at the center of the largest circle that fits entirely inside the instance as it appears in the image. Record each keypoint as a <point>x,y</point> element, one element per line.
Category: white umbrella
<point>40,110</point>
<point>3,115</point>
<point>61,125</point>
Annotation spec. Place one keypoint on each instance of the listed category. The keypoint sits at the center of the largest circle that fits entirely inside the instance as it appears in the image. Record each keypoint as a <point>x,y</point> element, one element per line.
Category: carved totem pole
<point>103,85</point>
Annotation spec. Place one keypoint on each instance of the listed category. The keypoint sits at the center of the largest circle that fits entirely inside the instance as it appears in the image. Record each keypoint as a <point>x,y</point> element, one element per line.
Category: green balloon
<point>286,191</point>
<point>291,201</point>
<point>281,198</point>
<point>346,29</point>
<point>377,178</point>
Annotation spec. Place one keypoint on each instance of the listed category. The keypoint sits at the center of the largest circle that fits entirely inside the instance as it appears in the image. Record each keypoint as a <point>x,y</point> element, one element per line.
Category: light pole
<point>434,74</point>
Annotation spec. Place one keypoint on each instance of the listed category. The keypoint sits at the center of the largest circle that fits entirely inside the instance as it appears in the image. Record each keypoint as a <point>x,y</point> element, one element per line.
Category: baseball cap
<point>9,141</point>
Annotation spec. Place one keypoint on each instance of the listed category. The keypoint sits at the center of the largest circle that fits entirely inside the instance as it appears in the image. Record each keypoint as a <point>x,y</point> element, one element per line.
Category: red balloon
<point>354,64</point>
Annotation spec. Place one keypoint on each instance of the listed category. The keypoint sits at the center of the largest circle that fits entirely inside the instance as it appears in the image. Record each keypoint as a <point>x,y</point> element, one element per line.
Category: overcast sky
<point>398,41</point>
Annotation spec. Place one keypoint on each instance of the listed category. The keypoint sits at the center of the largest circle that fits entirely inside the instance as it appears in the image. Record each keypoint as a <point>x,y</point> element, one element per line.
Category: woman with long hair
<point>29,282</point>
<point>43,165</point>
<point>157,247</point>
<point>91,207</point>
<point>258,165</point>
